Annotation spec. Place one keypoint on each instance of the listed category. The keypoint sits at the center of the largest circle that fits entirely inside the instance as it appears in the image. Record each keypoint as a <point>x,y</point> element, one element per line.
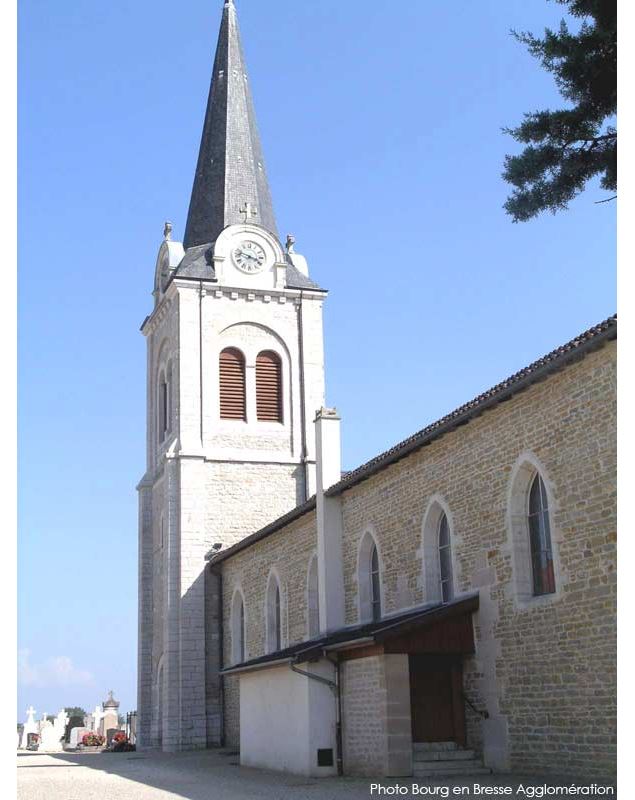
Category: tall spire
<point>230,174</point>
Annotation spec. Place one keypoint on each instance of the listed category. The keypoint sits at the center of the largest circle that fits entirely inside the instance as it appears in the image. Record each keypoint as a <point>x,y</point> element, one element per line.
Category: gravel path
<point>208,775</point>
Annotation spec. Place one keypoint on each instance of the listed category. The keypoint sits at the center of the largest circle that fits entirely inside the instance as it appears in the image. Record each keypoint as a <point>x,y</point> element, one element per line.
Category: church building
<point>447,608</point>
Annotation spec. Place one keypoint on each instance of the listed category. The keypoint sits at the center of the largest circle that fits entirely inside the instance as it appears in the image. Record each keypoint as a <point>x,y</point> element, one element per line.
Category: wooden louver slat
<point>269,387</point>
<point>232,385</point>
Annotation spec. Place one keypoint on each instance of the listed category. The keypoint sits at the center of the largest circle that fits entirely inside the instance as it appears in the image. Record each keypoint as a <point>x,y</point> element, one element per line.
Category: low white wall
<point>285,718</point>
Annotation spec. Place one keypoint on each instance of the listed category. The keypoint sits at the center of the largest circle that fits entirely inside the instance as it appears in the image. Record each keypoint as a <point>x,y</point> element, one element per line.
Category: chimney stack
<point>329,520</point>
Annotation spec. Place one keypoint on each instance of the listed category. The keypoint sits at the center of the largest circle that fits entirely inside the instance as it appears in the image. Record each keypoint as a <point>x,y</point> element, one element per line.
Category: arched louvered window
<point>540,539</point>
<point>269,387</point>
<point>375,586</point>
<point>445,560</point>
<point>232,385</point>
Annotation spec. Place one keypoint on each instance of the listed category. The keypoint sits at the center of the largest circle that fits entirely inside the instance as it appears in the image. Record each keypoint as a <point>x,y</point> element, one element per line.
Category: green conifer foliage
<point>566,148</point>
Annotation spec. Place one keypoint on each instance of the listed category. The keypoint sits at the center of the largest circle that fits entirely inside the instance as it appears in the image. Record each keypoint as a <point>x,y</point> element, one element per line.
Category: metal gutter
<point>256,667</point>
<point>553,362</point>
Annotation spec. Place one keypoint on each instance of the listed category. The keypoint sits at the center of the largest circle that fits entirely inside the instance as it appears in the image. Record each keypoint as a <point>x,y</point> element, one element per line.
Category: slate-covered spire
<point>231,171</point>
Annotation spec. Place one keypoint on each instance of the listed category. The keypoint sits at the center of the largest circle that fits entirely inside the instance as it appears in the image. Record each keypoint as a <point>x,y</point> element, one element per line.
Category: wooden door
<point>436,700</point>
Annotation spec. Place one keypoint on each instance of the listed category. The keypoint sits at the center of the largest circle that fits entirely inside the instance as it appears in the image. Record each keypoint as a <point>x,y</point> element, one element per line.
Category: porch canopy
<point>434,630</point>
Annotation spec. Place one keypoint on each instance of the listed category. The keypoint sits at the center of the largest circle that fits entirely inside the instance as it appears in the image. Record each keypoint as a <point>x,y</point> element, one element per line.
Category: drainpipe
<point>201,294</point>
<point>335,687</point>
<point>304,457</point>
<point>338,713</point>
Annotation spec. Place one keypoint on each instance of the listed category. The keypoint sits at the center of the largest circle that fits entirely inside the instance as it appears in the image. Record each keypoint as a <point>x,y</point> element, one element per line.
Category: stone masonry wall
<point>363,716</point>
<point>376,720</point>
<point>544,668</point>
<point>249,570</point>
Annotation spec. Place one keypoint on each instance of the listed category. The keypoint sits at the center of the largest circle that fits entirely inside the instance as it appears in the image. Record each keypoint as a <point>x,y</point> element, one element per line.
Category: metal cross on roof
<point>249,211</point>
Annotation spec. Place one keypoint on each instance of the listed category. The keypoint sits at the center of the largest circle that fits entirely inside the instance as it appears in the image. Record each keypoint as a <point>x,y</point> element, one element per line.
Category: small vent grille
<point>232,385</point>
<point>325,758</point>
<point>269,387</point>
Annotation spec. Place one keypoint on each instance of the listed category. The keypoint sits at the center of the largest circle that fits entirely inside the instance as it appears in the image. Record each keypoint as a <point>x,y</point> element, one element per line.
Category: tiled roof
<point>380,631</point>
<point>553,362</point>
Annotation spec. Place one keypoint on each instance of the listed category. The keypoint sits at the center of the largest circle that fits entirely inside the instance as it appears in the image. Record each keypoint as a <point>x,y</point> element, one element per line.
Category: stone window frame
<point>164,376</point>
<point>431,568</point>
<point>230,338</point>
<point>369,538</point>
<point>239,651</point>
<point>271,645</point>
<point>312,597</point>
<point>522,475</point>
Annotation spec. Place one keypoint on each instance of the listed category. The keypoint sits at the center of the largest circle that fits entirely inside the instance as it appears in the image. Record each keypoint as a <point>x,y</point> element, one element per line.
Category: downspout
<point>200,354</point>
<point>338,714</point>
<point>304,453</point>
<point>335,687</point>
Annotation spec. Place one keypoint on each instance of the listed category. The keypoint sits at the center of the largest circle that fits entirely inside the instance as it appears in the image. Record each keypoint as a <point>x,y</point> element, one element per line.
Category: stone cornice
<point>212,289</point>
<point>152,322</point>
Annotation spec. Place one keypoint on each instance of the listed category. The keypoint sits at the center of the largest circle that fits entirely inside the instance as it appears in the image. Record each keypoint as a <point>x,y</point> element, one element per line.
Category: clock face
<point>249,257</point>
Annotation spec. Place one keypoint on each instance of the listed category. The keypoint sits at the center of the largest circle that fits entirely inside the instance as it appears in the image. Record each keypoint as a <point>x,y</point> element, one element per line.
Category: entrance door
<point>436,699</point>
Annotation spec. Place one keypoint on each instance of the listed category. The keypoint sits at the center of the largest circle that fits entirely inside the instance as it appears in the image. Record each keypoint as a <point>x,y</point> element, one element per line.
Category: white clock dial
<point>249,257</point>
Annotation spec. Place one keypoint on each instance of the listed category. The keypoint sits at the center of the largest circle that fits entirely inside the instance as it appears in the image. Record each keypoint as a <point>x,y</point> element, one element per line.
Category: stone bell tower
<point>235,373</point>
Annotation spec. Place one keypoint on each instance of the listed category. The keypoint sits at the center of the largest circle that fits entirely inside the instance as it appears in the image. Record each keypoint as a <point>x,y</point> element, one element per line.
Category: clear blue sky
<point>381,124</point>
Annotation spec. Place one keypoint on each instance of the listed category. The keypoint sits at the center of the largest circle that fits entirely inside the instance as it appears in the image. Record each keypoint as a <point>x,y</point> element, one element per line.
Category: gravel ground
<point>215,775</point>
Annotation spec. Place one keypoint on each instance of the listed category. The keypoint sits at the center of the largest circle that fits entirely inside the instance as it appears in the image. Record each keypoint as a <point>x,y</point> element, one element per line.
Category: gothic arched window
<point>233,403</point>
<point>540,539</point>
<point>269,387</point>
<point>274,615</point>
<point>375,585</point>
<point>238,628</point>
<point>163,406</point>
<point>369,579</point>
<point>313,600</point>
<point>445,560</point>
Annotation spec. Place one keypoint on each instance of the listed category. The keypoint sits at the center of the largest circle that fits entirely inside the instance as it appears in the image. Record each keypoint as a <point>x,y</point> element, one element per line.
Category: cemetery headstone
<point>30,726</point>
<point>76,736</point>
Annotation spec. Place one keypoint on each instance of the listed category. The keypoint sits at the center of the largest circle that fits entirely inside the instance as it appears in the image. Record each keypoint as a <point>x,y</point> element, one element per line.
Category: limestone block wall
<point>288,553</point>
<point>228,479</point>
<point>376,722</point>
<point>242,498</point>
<point>544,667</point>
<point>253,322</point>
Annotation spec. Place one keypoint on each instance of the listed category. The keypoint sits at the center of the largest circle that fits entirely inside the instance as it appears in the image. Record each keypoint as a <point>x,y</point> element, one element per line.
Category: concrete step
<point>424,746</point>
<point>442,755</point>
<point>465,768</point>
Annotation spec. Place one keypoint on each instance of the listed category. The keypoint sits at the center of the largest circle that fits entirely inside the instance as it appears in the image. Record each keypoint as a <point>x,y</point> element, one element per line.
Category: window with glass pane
<point>375,588</point>
<point>241,632</point>
<point>540,539</point>
<point>313,599</point>
<point>278,620</point>
<point>163,409</point>
<point>445,560</point>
